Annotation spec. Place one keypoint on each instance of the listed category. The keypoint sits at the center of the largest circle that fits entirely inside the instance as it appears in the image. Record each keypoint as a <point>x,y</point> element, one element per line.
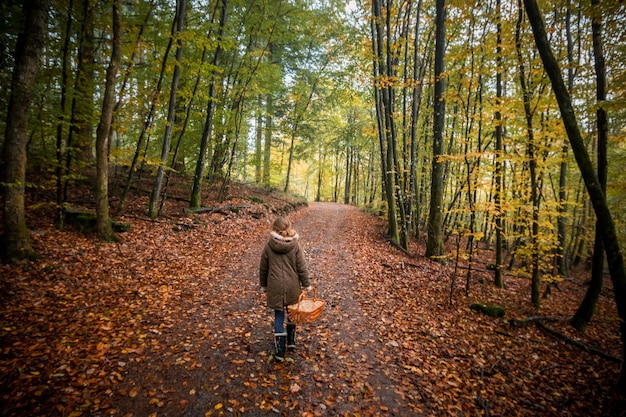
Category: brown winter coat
<point>283,271</point>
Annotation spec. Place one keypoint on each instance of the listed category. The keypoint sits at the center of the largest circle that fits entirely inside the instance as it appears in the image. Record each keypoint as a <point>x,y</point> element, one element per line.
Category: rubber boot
<point>281,346</point>
<point>291,335</point>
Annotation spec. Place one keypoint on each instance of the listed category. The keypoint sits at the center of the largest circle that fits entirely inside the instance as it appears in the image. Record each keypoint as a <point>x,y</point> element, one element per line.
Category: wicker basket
<point>307,309</point>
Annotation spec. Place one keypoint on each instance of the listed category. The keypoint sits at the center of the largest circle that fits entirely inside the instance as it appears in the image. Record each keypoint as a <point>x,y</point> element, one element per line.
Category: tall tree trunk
<point>419,69</point>
<point>63,116</point>
<point>298,117</point>
<point>80,137</point>
<point>103,221</point>
<point>532,163</point>
<point>498,281</point>
<point>147,122</point>
<point>320,170</point>
<point>585,310</point>
<point>29,46</point>
<point>562,208</point>
<point>434,244</point>
<point>380,82</point>
<point>391,131</point>
<point>129,70</point>
<point>594,187</point>
<point>267,146</point>
<point>171,110</point>
<point>196,192</point>
<point>258,143</point>
<point>83,115</point>
<point>348,180</point>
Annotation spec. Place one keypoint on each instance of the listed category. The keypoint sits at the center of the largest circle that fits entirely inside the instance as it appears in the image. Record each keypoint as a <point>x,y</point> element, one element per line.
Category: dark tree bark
<point>77,149</point>
<point>28,51</point>
<point>196,192</point>
<point>181,6</point>
<point>146,124</point>
<point>348,180</point>
<point>498,281</point>
<point>585,310</point>
<point>258,143</point>
<point>532,164</point>
<point>434,244</point>
<point>562,208</point>
<point>267,146</point>
<point>83,104</point>
<point>379,91</point>
<point>594,187</point>
<point>103,221</point>
<point>63,116</point>
<point>419,70</point>
<point>297,120</point>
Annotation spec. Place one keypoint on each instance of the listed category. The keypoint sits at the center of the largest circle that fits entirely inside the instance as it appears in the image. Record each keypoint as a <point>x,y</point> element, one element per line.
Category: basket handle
<point>307,291</point>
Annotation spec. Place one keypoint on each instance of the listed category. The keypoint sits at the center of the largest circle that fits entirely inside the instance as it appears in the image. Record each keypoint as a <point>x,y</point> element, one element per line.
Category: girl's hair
<point>282,226</point>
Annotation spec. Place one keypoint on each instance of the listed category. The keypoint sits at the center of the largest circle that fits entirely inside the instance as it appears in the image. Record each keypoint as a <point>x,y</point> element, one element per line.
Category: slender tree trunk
<point>384,117</point>
<point>532,164</point>
<point>258,144</point>
<point>171,110</point>
<point>320,170</point>
<point>103,221</point>
<point>434,244</point>
<point>63,116</point>
<point>79,142</point>
<point>128,71</point>
<point>348,180</point>
<point>83,116</point>
<point>419,67</point>
<point>239,110</point>
<point>585,310</point>
<point>29,46</point>
<point>146,125</point>
<point>196,192</point>
<point>498,281</point>
<point>269,105</point>
<point>298,117</point>
<point>292,143</point>
<point>594,187</point>
<point>562,208</point>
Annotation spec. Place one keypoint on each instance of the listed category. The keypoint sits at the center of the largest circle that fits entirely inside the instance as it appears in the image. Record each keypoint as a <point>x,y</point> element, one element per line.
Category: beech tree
<point>196,192</point>
<point>181,6</point>
<point>30,44</point>
<point>594,187</point>
<point>434,245</point>
<point>105,231</point>
<point>583,315</point>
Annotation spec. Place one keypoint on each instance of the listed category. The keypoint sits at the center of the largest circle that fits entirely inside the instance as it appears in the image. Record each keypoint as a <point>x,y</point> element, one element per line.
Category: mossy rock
<point>255,199</point>
<point>490,309</point>
<point>86,221</point>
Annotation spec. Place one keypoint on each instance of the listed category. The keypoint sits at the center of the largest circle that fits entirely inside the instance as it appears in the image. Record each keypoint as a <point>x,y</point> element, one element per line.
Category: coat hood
<point>280,244</point>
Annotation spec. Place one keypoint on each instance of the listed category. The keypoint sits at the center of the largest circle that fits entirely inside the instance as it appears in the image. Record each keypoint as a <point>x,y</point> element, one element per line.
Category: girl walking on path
<point>282,274</point>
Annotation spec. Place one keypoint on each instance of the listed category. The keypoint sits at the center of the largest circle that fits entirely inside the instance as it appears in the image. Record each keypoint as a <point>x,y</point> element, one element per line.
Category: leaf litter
<point>170,321</point>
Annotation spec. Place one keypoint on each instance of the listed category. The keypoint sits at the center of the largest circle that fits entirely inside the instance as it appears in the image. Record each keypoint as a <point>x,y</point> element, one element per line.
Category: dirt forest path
<point>170,321</point>
<point>335,369</point>
<point>222,363</point>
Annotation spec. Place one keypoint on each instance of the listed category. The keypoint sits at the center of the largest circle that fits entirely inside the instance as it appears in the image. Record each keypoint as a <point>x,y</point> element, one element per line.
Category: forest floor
<point>170,321</point>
